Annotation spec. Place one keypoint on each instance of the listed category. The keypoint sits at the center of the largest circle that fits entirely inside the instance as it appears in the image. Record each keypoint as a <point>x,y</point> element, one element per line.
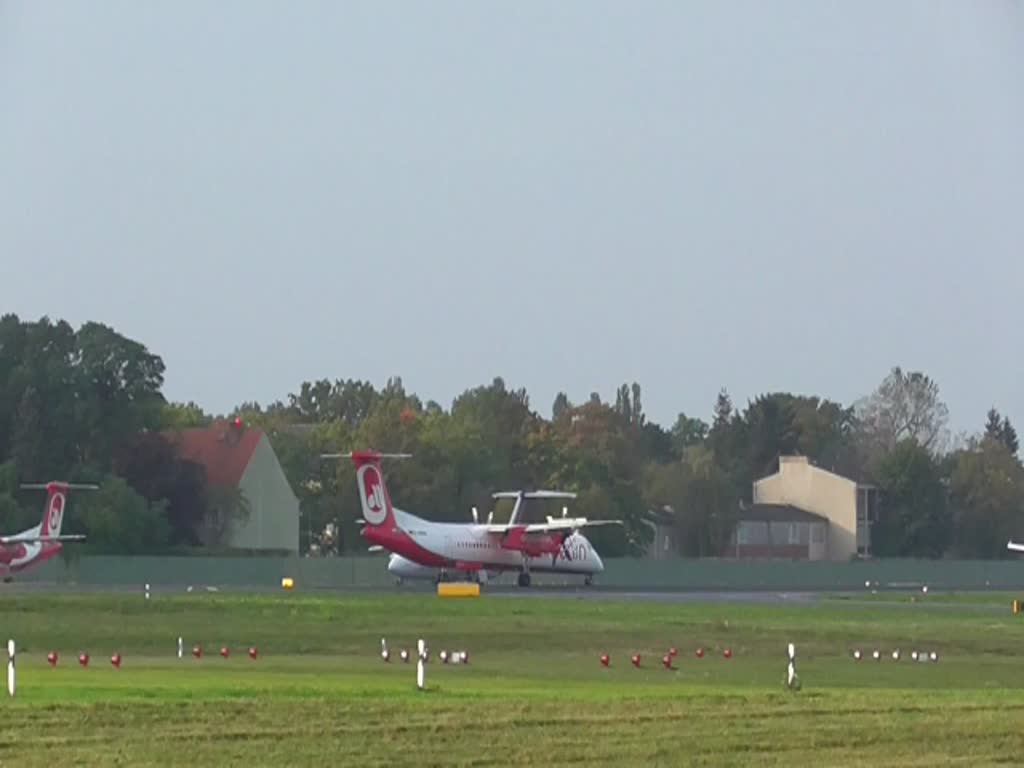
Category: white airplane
<point>421,549</point>
<point>41,542</point>
<point>1015,547</point>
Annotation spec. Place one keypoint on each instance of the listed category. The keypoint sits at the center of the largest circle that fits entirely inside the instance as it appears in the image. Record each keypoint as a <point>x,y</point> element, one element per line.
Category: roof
<point>223,450</point>
<point>785,460</point>
<point>778,513</point>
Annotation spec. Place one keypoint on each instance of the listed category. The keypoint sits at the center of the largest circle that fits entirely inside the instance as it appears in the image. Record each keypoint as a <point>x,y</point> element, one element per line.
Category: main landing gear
<point>524,579</point>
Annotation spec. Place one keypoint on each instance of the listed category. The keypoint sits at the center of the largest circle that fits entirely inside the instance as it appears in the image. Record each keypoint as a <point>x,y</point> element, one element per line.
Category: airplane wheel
<point>524,579</point>
<point>588,581</point>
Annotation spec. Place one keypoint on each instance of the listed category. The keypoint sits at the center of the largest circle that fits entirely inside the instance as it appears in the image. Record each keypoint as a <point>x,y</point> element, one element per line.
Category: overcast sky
<point>762,196</point>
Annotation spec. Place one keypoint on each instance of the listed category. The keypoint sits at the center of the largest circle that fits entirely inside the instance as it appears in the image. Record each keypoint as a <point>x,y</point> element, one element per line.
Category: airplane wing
<point>1015,547</point>
<point>552,525</point>
<point>39,539</point>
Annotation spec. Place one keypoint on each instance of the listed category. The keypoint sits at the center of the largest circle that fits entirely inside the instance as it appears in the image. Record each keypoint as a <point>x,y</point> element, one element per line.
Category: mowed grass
<point>534,691</point>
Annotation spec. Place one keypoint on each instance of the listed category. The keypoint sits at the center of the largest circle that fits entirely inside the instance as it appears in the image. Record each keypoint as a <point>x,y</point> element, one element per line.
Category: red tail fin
<point>56,502</point>
<point>53,512</point>
<point>373,493</point>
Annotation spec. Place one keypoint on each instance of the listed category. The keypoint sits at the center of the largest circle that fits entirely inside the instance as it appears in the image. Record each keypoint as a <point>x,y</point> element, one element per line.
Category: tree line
<point>87,404</point>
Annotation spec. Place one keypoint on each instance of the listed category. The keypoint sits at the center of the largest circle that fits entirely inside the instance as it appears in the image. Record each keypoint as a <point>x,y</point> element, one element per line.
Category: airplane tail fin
<point>373,492</point>
<point>56,501</point>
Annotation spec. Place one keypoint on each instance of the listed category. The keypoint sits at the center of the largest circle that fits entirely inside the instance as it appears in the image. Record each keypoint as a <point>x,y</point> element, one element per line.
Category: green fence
<point>676,574</point>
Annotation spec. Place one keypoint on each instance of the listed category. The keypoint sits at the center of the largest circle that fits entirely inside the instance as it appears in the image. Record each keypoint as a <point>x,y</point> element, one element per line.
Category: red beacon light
<point>237,422</point>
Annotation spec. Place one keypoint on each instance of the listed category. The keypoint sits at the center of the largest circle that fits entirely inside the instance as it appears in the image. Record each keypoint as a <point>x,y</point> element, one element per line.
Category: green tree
<point>770,431</point>
<point>688,431</point>
<point>916,520</point>
<point>117,384</point>
<point>561,407</point>
<point>176,416</point>
<point>987,495</point>
<point>702,498</point>
<point>1001,430</point>
<point>149,464</point>
<point>117,520</point>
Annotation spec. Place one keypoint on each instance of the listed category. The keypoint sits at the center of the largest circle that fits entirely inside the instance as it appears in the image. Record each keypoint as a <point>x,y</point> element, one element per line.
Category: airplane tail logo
<point>53,513</point>
<point>376,507</point>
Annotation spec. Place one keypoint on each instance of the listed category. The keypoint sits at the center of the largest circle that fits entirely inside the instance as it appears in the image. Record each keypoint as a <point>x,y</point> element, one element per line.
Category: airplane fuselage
<point>16,556</point>
<point>423,548</point>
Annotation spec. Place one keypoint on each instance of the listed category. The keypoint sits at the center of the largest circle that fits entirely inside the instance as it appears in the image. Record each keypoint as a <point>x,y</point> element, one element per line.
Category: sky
<point>691,195</point>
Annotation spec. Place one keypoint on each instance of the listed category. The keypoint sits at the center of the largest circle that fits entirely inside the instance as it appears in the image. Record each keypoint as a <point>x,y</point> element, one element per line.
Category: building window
<point>743,533</point>
<point>818,533</point>
<point>794,533</point>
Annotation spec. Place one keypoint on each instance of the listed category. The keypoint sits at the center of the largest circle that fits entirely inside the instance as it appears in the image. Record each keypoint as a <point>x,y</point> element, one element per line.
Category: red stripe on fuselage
<point>398,541</point>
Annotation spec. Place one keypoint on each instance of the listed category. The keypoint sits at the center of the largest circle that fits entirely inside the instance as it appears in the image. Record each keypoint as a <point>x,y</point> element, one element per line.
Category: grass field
<point>533,693</point>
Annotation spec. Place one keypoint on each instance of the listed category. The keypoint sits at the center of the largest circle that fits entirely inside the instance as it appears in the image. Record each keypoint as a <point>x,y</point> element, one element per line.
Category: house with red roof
<point>236,455</point>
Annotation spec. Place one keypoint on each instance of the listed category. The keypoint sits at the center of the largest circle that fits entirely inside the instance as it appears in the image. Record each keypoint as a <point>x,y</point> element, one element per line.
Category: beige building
<point>848,507</point>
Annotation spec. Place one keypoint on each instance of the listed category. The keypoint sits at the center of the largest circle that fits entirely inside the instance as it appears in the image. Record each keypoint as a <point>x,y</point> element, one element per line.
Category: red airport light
<point>52,658</point>
<point>83,659</point>
<point>636,660</point>
<point>727,653</point>
<point>673,652</point>
<point>605,661</point>
<point>225,652</point>
<point>252,652</point>
<point>116,660</point>
<point>197,651</point>
<point>667,660</point>
<point>700,653</point>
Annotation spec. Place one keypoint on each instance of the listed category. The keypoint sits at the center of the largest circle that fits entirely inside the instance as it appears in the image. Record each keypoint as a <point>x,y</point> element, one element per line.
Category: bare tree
<point>906,405</point>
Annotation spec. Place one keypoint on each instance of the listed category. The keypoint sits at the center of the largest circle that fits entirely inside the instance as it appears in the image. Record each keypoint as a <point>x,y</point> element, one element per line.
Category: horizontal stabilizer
<point>39,539</point>
<point>69,486</point>
<point>533,495</point>
<point>366,455</point>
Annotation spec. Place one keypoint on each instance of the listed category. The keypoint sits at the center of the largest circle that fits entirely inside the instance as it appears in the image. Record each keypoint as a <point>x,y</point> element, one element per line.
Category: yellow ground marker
<point>458,589</point>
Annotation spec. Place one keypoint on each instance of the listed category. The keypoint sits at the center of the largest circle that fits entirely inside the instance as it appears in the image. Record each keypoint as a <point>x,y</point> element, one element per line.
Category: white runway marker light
<point>421,664</point>
<point>147,591</point>
<point>180,648</point>
<point>10,667</point>
<point>792,681</point>
<point>384,652</point>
